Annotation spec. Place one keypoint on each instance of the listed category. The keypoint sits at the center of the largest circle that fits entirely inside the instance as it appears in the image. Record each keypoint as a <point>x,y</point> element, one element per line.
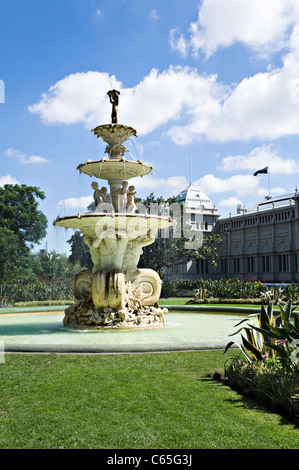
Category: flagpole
<point>269,181</point>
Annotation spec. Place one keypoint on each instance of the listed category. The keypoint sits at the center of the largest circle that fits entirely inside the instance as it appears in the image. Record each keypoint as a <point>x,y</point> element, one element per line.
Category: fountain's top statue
<point>113,95</point>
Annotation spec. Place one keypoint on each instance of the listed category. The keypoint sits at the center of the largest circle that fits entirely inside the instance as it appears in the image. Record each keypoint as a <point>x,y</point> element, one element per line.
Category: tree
<point>79,251</point>
<point>14,260</point>
<point>52,265</point>
<point>21,226</point>
<point>19,213</point>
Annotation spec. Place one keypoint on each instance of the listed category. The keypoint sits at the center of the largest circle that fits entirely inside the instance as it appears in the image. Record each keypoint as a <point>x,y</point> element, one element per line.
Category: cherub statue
<point>97,193</point>
<point>105,195</point>
<point>113,96</point>
<point>119,198</point>
<point>130,199</point>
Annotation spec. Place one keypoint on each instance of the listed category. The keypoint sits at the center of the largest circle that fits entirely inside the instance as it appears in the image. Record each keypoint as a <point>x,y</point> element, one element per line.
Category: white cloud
<point>261,25</point>
<point>99,12</point>
<point>193,106</point>
<point>158,99</point>
<point>277,190</point>
<point>258,158</point>
<point>230,202</point>
<point>172,185</point>
<point>154,15</point>
<point>75,202</point>
<point>178,43</point>
<point>19,155</point>
<point>79,97</point>
<point>241,185</point>
<point>8,179</point>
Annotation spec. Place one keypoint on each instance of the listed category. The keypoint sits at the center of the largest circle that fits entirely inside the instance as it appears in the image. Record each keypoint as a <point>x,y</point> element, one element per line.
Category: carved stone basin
<point>97,224</point>
<point>115,169</point>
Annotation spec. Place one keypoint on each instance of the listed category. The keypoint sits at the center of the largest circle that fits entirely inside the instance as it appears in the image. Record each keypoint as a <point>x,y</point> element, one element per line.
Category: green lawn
<point>130,401</point>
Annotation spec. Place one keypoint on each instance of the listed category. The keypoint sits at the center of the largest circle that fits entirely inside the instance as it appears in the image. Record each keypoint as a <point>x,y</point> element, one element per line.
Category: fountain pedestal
<point>115,293</point>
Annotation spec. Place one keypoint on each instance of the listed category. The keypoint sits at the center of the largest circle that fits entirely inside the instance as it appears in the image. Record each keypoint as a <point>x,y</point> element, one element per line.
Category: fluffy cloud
<point>178,42</point>
<point>19,155</point>
<point>79,97</point>
<point>258,158</point>
<point>8,179</point>
<point>230,202</point>
<point>75,203</point>
<point>158,99</point>
<point>261,25</point>
<point>168,186</point>
<point>192,105</point>
<point>241,185</point>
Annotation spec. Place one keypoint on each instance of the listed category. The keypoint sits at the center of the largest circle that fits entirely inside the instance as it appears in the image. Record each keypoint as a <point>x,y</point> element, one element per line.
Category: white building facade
<point>260,243</point>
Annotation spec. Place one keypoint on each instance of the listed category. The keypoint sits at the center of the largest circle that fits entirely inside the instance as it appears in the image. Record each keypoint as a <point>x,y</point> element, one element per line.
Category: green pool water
<point>184,331</point>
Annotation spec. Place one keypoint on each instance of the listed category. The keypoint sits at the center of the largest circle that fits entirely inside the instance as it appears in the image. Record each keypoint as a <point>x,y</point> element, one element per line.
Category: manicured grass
<point>130,401</point>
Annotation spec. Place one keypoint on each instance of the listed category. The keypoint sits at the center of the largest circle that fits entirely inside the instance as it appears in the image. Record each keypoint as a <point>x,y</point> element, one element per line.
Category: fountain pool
<point>43,331</point>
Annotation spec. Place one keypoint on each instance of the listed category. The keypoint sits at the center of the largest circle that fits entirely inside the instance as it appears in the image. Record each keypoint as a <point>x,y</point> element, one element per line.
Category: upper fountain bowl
<point>114,135</point>
<point>115,168</point>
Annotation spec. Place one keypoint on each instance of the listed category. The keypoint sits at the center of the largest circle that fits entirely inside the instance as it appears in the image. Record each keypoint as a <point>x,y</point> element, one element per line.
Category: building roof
<point>194,197</point>
<point>267,204</point>
<point>277,202</point>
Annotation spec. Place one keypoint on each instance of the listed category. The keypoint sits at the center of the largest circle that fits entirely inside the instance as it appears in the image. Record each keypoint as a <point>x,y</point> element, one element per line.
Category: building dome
<point>194,197</point>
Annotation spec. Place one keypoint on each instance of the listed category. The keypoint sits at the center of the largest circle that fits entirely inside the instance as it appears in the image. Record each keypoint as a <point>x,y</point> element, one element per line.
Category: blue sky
<point>212,79</point>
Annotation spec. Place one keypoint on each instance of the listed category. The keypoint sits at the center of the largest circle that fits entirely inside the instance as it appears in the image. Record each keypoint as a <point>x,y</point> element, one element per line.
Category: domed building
<point>200,215</point>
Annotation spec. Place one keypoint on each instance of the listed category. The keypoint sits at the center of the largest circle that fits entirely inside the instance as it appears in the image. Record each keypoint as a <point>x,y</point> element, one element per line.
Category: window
<point>283,263</point>
<point>201,267</point>
<point>250,264</point>
<point>266,264</point>
<point>192,214</point>
<point>236,265</point>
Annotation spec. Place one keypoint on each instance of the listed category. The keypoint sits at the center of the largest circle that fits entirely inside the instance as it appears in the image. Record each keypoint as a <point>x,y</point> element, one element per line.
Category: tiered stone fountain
<point>115,293</point>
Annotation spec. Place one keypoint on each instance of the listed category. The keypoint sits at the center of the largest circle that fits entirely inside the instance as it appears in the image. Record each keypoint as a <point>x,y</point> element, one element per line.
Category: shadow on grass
<point>250,402</point>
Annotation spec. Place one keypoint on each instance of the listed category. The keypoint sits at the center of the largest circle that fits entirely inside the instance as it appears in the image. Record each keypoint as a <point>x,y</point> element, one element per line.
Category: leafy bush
<point>36,291</point>
<point>230,289</point>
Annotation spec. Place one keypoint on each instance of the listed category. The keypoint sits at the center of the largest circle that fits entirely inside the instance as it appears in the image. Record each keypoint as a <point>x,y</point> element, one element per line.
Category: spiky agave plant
<point>275,336</point>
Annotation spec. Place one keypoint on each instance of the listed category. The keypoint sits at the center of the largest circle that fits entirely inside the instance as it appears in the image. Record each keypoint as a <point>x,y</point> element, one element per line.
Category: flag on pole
<point>263,171</point>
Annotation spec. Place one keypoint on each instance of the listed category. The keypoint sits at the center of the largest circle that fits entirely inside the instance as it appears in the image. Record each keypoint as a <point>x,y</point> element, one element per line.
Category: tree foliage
<point>19,212</point>
<point>21,226</point>
<point>52,266</point>
<point>79,251</point>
